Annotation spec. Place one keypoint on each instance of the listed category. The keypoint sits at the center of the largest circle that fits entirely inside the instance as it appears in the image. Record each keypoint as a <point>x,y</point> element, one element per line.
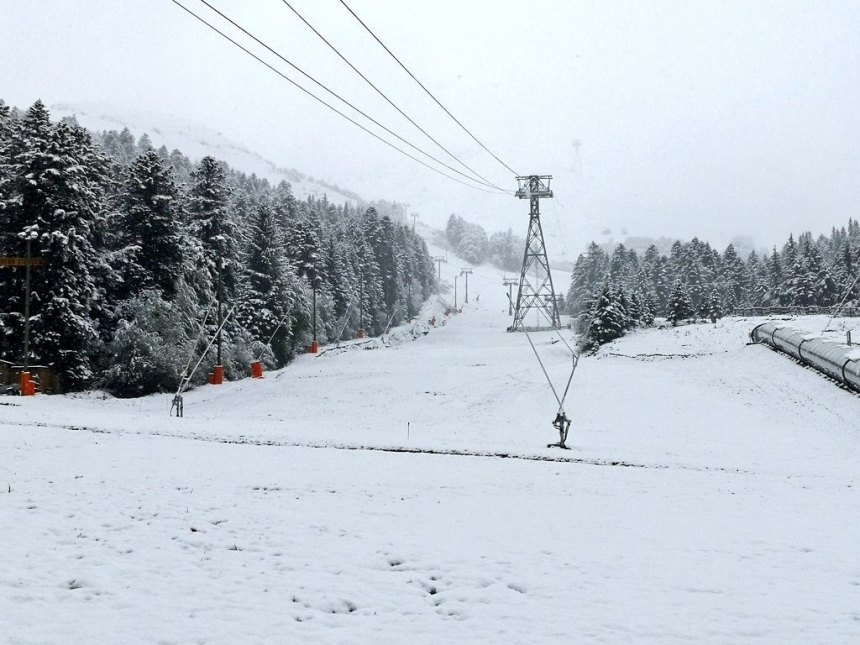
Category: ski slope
<point>710,497</point>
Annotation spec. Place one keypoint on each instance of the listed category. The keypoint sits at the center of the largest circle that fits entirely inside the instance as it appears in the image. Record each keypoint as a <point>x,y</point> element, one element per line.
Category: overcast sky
<point>713,119</point>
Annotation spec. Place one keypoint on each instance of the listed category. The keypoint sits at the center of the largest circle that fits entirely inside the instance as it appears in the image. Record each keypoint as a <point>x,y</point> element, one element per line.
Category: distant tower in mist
<point>577,162</point>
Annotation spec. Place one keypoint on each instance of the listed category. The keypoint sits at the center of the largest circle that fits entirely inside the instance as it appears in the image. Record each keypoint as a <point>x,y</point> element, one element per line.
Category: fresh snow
<point>710,496</point>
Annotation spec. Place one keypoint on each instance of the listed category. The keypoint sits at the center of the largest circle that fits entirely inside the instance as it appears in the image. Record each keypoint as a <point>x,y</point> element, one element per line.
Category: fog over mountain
<point>658,119</point>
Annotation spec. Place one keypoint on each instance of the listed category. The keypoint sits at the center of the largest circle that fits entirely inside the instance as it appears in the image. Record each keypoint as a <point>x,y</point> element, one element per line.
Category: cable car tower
<point>540,295</point>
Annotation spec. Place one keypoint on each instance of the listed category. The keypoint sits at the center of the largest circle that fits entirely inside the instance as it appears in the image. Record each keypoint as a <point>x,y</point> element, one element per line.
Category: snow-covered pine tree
<point>57,182</point>
<point>715,309</point>
<point>757,279</point>
<point>776,280</point>
<point>680,306</point>
<point>648,310</point>
<point>634,310</point>
<point>210,222</point>
<point>608,322</point>
<point>589,273</point>
<point>734,276</point>
<point>269,295</point>
<point>454,230</point>
<point>506,250</point>
<point>152,244</point>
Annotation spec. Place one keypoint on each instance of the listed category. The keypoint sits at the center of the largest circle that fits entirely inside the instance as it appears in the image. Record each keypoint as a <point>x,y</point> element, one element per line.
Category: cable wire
<point>329,106</point>
<point>429,93</point>
<point>390,102</point>
<point>341,99</point>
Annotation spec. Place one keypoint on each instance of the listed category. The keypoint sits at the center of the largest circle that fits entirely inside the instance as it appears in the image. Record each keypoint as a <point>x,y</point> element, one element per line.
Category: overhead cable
<point>329,106</point>
<point>429,93</point>
<point>343,100</point>
<point>390,102</point>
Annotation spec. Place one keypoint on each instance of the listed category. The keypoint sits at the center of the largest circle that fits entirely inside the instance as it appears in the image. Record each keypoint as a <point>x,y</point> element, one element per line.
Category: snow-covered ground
<point>711,497</point>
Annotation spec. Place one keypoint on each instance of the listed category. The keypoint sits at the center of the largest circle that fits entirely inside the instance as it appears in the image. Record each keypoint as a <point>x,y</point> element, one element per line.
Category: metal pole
<point>455,291</point>
<point>27,307</point>
<point>315,303</point>
<point>466,272</point>
<point>361,300</point>
<point>220,299</point>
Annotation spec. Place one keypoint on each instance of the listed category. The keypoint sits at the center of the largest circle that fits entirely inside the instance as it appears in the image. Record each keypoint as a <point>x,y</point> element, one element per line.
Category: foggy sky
<point>712,119</point>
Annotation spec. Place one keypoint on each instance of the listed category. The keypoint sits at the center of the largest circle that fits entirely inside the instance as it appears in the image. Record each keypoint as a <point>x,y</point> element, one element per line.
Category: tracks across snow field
<point>363,496</point>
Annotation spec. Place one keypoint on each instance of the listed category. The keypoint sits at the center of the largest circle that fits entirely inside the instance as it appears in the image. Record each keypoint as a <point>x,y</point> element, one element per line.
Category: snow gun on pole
<point>183,384</point>
<point>561,422</point>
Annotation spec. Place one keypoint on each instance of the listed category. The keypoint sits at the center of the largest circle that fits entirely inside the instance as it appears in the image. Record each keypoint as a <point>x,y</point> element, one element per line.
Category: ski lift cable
<point>545,373</point>
<point>384,96</point>
<point>334,94</point>
<point>206,351</point>
<point>430,94</point>
<point>577,355</point>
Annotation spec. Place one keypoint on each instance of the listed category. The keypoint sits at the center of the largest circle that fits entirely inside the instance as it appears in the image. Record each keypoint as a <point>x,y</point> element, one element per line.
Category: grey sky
<point>696,118</point>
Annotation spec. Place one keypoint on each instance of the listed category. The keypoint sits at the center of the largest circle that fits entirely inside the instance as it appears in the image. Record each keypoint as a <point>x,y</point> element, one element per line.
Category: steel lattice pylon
<point>539,296</point>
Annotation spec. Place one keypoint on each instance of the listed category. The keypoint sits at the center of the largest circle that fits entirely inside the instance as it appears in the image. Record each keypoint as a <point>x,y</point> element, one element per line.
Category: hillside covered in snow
<point>399,490</point>
<point>196,140</point>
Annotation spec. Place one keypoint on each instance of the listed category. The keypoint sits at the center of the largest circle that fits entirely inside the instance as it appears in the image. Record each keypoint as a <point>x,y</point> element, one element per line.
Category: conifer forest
<point>696,281</point>
<point>136,243</point>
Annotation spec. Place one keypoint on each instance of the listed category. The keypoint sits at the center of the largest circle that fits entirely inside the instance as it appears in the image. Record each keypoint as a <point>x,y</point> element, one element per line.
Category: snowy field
<point>711,496</point>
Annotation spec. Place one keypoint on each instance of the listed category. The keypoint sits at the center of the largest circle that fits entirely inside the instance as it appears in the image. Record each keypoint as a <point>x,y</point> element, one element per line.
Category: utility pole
<point>541,295</point>
<point>220,301</point>
<point>467,272</point>
<point>314,344</point>
<point>509,283</point>
<point>414,217</point>
<point>455,292</point>
<point>29,234</point>
<point>361,303</point>
<point>438,259</point>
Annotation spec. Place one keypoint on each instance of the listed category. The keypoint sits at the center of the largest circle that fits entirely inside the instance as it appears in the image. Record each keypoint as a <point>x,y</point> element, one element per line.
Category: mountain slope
<point>195,141</point>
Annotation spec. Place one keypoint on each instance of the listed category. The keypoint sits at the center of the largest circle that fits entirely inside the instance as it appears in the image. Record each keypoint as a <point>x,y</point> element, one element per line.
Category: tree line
<point>697,281</point>
<point>136,244</point>
<point>470,242</point>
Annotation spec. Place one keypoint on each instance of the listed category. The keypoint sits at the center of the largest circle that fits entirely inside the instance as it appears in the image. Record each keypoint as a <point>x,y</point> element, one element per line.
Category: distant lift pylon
<point>540,295</point>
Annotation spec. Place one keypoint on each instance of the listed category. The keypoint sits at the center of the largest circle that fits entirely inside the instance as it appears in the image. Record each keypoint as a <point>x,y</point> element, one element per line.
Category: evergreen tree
<point>269,299</point>
<point>608,322</point>
<point>589,273</point>
<point>56,181</point>
<point>715,309</point>
<point>680,305</point>
<point>211,223</point>
<point>152,250</point>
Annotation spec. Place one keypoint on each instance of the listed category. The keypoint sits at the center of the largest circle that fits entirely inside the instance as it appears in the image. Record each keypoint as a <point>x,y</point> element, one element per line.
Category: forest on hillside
<point>135,244</point>
<point>697,281</point>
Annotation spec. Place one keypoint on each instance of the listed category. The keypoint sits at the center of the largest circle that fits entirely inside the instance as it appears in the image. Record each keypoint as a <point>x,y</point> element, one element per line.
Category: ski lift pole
<point>206,351</point>
<point>281,322</point>
<point>345,321</point>
<point>191,355</point>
